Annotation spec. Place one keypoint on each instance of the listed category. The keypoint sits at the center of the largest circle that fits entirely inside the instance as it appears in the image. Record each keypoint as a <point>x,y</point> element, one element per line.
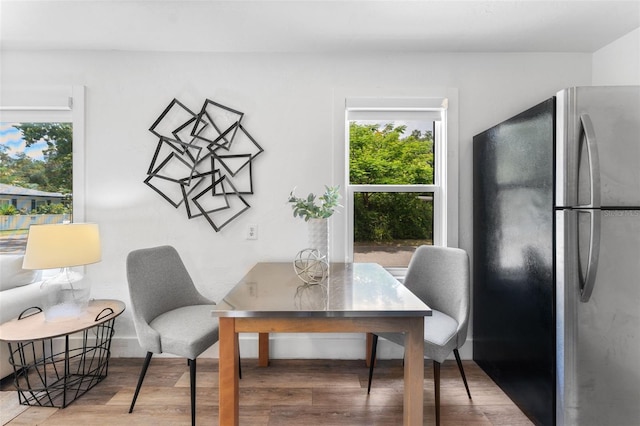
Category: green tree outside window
<point>383,155</point>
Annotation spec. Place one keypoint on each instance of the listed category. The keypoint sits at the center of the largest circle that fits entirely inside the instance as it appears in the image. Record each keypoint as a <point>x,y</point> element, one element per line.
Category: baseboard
<point>293,346</point>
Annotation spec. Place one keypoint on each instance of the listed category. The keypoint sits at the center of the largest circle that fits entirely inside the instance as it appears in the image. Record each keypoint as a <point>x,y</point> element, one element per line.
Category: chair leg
<point>239,365</point>
<point>436,387</point>
<point>147,360</point>
<point>192,374</point>
<point>372,361</point>
<point>464,378</point>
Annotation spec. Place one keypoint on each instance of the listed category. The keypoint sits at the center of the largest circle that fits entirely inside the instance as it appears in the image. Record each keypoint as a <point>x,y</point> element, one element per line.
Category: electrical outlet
<point>252,232</point>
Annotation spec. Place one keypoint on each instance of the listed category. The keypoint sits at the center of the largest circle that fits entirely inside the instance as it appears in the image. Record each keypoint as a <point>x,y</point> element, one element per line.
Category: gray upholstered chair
<point>170,315</point>
<point>439,276</point>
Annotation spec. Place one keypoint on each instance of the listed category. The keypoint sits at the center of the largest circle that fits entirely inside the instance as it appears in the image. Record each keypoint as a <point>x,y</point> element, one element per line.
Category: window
<point>396,178</point>
<point>41,168</point>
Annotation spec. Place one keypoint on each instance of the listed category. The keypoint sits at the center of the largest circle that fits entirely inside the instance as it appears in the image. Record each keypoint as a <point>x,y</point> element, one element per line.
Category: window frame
<point>445,187</point>
<point>53,104</point>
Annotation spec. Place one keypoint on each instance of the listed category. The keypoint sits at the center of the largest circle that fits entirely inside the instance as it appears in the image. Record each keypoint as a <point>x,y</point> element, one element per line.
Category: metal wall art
<point>203,161</point>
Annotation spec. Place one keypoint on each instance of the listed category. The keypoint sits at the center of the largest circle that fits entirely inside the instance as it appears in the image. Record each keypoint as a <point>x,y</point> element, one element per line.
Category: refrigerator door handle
<point>587,284</point>
<point>594,162</point>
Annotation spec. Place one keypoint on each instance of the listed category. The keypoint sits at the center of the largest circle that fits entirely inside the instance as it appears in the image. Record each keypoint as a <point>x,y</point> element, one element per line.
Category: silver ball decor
<point>310,266</point>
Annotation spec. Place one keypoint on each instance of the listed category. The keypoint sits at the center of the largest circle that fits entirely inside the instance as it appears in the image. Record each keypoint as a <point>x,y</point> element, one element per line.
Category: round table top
<point>34,327</point>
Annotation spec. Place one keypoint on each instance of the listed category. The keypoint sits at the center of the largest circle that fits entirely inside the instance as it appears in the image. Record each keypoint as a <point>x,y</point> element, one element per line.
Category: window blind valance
<point>422,109</point>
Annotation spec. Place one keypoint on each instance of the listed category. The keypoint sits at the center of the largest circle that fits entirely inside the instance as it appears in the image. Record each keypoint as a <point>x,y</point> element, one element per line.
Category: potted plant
<point>307,208</point>
<point>316,211</point>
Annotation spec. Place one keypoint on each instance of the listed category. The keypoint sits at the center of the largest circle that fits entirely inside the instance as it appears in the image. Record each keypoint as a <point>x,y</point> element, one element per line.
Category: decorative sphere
<point>310,266</point>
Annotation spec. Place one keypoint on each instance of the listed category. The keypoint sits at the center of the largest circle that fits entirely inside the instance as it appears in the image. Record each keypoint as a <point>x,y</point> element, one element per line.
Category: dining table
<point>278,297</point>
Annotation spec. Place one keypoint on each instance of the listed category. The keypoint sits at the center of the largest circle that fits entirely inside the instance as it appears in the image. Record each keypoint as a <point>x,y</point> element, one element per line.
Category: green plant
<point>8,210</point>
<point>55,208</point>
<point>307,208</point>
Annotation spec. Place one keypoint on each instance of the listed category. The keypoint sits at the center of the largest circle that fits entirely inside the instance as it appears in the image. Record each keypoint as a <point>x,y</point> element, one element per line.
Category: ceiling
<point>315,26</point>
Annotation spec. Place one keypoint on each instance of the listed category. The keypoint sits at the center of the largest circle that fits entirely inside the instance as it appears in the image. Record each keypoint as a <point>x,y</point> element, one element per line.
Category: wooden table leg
<point>369,344</point>
<point>228,410</point>
<point>414,372</point>
<point>263,349</point>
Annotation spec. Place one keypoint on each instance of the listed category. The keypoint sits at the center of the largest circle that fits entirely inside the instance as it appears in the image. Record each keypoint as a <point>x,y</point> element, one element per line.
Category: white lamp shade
<point>62,245</point>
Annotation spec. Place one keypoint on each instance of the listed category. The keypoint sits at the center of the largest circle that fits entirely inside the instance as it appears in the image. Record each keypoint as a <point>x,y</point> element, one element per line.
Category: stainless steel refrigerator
<point>556,291</point>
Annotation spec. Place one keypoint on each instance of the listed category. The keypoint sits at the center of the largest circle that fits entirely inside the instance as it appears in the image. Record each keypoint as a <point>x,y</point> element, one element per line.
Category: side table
<point>49,375</point>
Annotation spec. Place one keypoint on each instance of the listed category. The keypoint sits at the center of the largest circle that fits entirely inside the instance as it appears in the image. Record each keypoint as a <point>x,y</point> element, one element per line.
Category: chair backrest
<point>159,282</point>
<point>439,276</point>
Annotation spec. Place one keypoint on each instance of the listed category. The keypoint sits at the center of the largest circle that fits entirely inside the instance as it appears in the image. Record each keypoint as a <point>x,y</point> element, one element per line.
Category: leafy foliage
<point>57,208</point>
<point>380,155</point>
<point>383,155</point>
<point>384,217</point>
<point>8,210</point>
<point>307,208</point>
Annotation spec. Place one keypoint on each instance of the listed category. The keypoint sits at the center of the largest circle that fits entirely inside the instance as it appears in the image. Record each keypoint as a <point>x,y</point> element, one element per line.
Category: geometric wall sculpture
<point>203,161</point>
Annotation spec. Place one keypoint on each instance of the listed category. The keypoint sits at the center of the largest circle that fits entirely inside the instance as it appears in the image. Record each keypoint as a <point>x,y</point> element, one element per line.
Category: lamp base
<point>64,296</point>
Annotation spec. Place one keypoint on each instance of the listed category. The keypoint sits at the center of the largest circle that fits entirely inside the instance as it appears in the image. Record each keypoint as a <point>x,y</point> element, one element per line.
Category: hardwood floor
<point>288,392</point>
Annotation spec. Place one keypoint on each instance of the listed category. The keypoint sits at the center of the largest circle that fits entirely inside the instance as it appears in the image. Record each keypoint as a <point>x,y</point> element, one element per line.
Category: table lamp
<point>63,246</point>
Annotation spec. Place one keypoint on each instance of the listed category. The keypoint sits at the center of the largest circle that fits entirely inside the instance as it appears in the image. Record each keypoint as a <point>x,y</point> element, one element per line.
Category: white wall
<point>618,63</point>
<point>288,101</point>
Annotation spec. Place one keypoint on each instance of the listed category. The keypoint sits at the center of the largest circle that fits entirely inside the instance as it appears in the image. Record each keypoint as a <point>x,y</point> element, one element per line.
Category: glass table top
<point>351,290</point>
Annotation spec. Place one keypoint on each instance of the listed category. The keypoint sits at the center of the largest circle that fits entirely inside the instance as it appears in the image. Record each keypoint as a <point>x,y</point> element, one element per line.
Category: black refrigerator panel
<point>513,290</point>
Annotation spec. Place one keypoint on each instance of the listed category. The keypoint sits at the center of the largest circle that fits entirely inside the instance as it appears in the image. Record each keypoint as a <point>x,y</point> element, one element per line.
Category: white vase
<point>318,230</point>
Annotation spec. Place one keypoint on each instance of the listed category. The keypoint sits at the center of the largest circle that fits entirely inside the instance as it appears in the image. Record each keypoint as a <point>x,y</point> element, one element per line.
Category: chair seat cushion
<point>439,328</point>
<point>439,336</point>
<point>187,331</point>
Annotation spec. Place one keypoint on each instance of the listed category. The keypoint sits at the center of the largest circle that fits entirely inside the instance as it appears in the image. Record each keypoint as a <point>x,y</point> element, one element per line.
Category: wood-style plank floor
<point>288,392</point>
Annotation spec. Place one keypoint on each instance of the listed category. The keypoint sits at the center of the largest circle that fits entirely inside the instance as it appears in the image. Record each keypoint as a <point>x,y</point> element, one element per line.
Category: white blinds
<point>422,109</point>
<point>36,104</point>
